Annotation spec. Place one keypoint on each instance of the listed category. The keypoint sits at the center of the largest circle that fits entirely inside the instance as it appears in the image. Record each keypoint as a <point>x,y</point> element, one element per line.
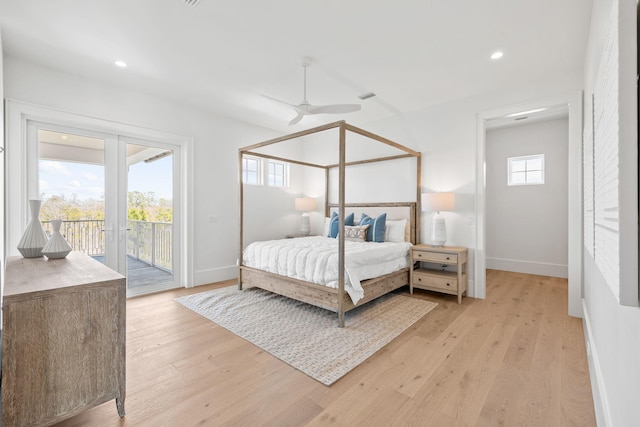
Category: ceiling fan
<point>305,108</point>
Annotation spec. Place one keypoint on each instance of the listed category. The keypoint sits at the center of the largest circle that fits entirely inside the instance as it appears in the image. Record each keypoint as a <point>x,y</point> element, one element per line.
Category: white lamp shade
<point>305,204</point>
<point>438,202</point>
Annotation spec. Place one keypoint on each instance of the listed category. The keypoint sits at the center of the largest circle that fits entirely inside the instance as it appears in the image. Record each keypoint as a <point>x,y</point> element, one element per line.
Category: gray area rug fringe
<point>307,337</point>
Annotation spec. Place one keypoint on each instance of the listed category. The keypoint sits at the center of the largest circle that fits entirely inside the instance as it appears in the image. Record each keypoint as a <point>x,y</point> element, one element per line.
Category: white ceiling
<point>221,55</point>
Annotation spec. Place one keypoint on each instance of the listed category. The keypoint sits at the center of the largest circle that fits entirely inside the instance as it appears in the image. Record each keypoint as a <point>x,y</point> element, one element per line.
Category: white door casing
<point>22,173</point>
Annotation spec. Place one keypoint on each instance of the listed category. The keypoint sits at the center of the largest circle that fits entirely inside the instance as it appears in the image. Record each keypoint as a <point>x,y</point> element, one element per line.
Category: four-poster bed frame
<point>331,298</point>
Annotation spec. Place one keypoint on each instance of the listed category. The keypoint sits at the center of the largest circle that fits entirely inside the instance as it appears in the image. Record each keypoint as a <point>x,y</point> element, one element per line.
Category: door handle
<point>108,228</point>
<point>123,232</point>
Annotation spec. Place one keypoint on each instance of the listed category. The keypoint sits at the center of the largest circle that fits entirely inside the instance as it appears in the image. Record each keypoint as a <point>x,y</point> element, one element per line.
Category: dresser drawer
<point>436,257</point>
<point>445,281</point>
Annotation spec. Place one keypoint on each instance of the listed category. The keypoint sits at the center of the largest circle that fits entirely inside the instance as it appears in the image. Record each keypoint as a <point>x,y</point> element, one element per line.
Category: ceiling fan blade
<point>278,100</point>
<point>296,119</point>
<point>334,109</point>
<point>305,107</point>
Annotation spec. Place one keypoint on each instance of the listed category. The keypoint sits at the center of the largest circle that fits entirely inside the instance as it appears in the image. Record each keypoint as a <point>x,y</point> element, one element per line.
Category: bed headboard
<point>394,211</point>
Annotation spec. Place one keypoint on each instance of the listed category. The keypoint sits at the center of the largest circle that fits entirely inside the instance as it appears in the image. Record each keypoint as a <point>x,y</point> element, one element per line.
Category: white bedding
<point>315,259</point>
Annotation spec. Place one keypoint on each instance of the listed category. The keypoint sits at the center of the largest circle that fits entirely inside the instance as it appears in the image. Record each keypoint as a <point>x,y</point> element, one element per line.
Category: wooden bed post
<point>316,294</point>
<point>326,191</point>
<point>418,216</point>
<point>341,212</point>
<point>240,206</point>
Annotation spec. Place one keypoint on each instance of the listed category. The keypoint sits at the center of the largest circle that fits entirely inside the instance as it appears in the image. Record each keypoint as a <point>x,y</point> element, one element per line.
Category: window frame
<point>510,172</point>
<point>263,173</point>
<point>284,175</point>
<point>245,160</point>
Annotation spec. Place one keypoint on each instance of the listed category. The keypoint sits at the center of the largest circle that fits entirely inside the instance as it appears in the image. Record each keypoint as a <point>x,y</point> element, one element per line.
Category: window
<point>277,174</point>
<point>251,170</point>
<point>526,170</point>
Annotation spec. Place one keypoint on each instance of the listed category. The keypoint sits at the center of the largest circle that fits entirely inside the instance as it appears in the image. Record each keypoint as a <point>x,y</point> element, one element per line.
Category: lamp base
<point>438,231</point>
<point>305,227</point>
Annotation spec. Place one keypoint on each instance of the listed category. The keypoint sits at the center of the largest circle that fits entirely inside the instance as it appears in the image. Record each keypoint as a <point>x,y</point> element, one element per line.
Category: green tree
<point>142,207</point>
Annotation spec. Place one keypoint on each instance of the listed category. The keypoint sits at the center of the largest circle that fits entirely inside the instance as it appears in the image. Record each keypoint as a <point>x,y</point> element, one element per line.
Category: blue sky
<point>87,181</point>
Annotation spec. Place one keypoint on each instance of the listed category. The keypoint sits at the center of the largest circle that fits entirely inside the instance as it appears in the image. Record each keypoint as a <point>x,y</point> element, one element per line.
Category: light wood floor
<point>512,359</point>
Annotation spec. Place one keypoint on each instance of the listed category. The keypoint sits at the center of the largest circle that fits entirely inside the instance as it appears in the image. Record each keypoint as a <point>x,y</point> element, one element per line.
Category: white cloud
<point>96,191</point>
<point>54,167</point>
<point>75,184</point>
<point>90,176</point>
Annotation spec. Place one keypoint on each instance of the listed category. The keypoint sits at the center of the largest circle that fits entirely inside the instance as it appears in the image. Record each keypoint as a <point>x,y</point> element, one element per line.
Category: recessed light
<point>497,55</point>
<point>120,64</point>
<point>524,113</point>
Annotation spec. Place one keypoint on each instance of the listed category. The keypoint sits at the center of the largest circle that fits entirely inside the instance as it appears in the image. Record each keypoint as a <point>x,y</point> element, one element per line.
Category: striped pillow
<point>376,231</point>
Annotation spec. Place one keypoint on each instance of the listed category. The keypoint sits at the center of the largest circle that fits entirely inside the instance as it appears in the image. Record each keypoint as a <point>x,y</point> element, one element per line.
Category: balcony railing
<point>150,242</point>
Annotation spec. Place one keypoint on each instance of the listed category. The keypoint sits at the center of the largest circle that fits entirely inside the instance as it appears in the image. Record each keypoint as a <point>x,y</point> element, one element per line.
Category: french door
<point>118,197</point>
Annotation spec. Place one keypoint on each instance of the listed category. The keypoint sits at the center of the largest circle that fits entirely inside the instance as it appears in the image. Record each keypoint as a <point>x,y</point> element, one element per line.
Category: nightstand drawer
<point>436,257</point>
<point>446,281</point>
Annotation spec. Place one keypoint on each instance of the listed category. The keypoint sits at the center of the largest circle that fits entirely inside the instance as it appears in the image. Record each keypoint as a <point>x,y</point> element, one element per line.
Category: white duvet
<point>315,259</point>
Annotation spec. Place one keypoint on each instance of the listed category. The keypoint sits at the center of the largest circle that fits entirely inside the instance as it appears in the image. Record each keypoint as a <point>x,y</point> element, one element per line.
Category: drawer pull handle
<point>448,258</point>
<point>448,284</point>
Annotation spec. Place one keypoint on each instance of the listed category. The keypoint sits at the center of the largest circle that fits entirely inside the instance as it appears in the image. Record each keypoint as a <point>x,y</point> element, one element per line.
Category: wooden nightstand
<point>426,272</point>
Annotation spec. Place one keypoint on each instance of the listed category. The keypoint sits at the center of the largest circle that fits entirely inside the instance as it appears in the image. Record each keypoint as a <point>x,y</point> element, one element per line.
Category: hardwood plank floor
<point>512,359</point>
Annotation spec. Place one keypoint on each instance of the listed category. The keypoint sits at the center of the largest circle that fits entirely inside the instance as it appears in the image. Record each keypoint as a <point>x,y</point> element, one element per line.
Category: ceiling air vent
<point>191,2</point>
<point>367,95</point>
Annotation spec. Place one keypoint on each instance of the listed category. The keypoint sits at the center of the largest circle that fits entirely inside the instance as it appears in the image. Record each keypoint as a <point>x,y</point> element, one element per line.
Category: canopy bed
<point>345,290</point>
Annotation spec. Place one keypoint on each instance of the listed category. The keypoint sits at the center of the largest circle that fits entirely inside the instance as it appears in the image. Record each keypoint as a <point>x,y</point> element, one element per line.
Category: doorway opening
<point>115,196</point>
<point>574,196</point>
<point>526,193</point>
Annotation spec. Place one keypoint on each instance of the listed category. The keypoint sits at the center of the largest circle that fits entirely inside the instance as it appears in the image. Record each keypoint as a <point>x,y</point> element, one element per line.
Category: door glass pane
<point>72,188</point>
<point>149,216</point>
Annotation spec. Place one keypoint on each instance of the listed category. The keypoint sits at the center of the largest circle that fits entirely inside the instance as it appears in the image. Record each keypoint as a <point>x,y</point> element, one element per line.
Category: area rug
<point>307,337</point>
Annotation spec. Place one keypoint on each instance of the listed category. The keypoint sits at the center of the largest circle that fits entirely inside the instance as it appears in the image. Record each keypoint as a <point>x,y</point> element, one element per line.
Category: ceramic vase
<point>34,237</point>
<point>57,246</point>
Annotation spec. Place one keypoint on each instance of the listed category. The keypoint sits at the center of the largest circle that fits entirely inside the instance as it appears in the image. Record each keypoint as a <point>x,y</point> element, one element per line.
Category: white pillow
<point>327,221</point>
<point>395,231</point>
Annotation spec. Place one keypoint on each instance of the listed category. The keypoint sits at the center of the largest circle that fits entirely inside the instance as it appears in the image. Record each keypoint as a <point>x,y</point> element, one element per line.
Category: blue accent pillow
<point>334,224</point>
<point>377,227</point>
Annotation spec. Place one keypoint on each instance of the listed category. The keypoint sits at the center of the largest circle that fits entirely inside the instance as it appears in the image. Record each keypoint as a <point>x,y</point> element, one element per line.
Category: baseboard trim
<point>528,267</point>
<point>600,401</point>
<point>214,275</point>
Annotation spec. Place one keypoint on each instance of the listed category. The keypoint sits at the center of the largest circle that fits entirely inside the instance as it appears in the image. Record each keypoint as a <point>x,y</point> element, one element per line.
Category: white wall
<point>527,224</point>
<point>215,157</point>
<point>446,135</point>
<point>2,159</point>
<point>269,211</point>
<point>613,330</point>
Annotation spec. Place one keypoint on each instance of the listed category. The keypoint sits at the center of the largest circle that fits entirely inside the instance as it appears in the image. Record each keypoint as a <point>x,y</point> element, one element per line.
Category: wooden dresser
<point>63,339</point>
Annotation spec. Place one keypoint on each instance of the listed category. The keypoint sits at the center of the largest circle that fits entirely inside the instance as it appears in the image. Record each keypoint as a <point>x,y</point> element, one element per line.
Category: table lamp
<point>304,205</point>
<point>438,202</point>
